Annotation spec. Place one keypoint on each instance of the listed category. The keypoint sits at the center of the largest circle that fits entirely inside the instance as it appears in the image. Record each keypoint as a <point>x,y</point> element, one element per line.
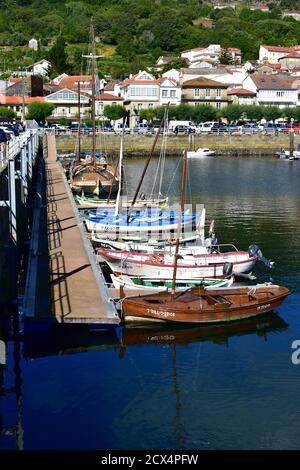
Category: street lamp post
<point>292,133</point>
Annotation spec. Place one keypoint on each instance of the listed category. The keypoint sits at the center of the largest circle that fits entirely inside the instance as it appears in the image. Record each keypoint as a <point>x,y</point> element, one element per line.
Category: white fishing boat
<point>90,202</point>
<point>201,153</point>
<point>144,222</point>
<point>160,285</point>
<point>158,266</point>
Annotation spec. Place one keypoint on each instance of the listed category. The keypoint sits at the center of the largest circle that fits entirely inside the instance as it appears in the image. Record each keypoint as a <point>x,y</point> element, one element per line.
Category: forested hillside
<point>133,33</point>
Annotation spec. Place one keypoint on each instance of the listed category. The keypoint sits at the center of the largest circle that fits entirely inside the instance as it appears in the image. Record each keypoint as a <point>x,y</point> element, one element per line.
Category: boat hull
<point>207,266</point>
<point>196,309</point>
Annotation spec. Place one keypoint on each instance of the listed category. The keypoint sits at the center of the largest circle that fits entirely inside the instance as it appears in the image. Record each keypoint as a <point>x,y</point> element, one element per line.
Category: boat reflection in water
<point>139,334</point>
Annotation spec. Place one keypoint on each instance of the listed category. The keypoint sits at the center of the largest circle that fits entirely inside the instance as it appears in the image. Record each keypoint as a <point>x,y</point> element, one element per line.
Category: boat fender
<point>156,259</point>
<point>227,269</point>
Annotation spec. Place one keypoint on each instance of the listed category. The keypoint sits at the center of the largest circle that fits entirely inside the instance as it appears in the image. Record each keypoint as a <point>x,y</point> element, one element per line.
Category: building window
<point>173,93</point>
<point>150,105</point>
<point>279,93</point>
<point>218,95</point>
<point>143,91</point>
<point>207,93</point>
<point>140,105</point>
<point>197,92</point>
<point>218,105</point>
<point>164,93</point>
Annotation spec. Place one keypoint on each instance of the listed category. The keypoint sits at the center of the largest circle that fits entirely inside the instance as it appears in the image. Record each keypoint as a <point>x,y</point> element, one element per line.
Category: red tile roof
<point>278,48</point>
<point>240,91</point>
<point>108,97</point>
<point>16,100</point>
<point>203,82</point>
<point>71,81</point>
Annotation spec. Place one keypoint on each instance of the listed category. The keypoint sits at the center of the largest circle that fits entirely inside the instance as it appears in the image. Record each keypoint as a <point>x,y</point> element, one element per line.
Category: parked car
<point>270,128</point>
<point>182,130</point>
<point>3,136</point>
<point>206,126</point>
<point>219,128</point>
<point>249,128</point>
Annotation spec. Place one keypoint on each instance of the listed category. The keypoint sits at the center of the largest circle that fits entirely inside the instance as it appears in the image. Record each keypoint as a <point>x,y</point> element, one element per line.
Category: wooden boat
<point>201,153</point>
<point>160,285</point>
<point>199,305</point>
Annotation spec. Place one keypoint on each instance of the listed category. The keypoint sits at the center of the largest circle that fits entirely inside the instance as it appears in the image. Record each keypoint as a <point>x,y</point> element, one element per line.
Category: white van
<point>173,124</point>
<point>206,126</point>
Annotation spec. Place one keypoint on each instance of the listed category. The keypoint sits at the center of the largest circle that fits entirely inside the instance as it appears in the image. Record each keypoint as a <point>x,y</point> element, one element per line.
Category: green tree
<point>7,112</point>
<point>270,113</point>
<point>39,111</point>
<point>232,112</point>
<point>146,114</point>
<point>202,113</point>
<point>226,57</point>
<point>58,56</point>
<point>253,113</point>
<point>115,112</point>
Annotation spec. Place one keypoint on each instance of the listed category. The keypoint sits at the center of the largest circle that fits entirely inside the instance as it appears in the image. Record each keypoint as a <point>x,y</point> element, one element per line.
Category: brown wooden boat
<point>198,305</point>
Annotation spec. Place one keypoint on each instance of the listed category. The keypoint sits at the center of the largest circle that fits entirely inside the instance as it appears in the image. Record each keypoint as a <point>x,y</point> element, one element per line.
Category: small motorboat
<point>286,154</point>
<point>200,305</point>
<point>160,285</point>
<point>201,153</point>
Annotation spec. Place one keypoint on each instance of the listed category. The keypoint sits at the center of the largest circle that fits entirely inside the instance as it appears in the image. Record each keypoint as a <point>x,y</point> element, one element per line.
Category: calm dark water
<point>226,387</point>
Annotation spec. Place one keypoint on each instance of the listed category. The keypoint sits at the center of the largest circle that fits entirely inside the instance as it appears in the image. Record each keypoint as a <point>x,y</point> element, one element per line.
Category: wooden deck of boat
<point>78,291</point>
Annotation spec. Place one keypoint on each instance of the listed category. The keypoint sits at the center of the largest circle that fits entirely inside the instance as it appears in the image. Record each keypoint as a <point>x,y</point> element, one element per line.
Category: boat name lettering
<point>262,307</point>
<point>160,313</point>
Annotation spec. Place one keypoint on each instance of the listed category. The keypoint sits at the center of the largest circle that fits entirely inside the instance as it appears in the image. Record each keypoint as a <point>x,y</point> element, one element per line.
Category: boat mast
<point>93,57</point>
<point>148,161</point>
<point>79,125</point>
<point>117,209</point>
<point>183,177</point>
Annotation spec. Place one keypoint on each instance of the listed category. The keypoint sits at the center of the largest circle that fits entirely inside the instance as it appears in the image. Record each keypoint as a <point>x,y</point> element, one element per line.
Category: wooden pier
<point>75,281</point>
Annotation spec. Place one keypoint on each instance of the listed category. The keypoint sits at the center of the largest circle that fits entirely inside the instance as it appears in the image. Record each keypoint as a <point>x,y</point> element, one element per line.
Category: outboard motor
<point>227,269</point>
<point>254,250</point>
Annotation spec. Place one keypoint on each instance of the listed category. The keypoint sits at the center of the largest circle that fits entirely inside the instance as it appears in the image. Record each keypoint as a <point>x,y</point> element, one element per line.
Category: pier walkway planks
<point>79,294</point>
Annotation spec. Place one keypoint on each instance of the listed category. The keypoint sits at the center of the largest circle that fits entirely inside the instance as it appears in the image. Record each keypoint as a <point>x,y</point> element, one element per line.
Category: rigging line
<point>161,162</point>
<point>173,177</point>
<point>189,183</point>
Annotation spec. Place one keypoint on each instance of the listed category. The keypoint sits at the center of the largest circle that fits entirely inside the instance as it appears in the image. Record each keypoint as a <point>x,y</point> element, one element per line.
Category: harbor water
<point>232,386</point>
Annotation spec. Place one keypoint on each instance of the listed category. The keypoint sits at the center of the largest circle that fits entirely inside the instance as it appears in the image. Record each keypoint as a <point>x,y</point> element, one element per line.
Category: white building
<point>272,54</point>
<point>272,89</point>
<point>169,92</point>
<point>42,67</point>
<point>33,44</point>
<point>211,53</point>
<point>144,91</point>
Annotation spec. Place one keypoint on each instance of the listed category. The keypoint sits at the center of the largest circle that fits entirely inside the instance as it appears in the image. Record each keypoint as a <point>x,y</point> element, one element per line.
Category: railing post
<point>24,169</point>
<point>12,200</point>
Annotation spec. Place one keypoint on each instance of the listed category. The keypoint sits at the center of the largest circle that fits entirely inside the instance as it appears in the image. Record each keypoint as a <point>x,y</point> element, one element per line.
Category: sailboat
<point>198,305</point>
<point>92,174</point>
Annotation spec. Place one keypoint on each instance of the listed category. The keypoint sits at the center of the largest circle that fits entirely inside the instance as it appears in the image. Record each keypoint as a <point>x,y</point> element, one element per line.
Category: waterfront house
<point>19,103</point>
<point>65,103</point>
<point>272,89</point>
<point>241,96</point>
<point>106,99</point>
<point>202,90</point>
